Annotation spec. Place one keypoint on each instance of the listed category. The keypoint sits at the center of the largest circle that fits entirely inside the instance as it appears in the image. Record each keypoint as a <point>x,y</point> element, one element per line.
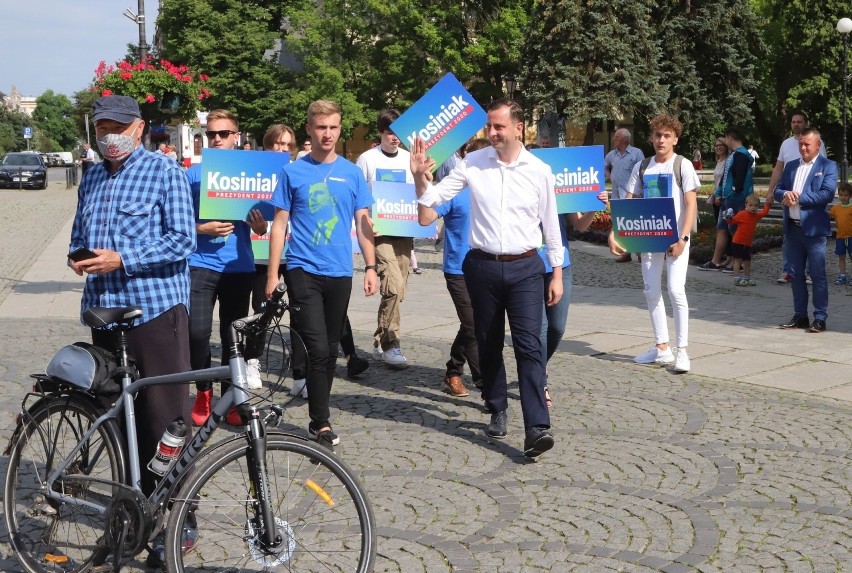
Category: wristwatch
<point>685,238</point>
<point>369,267</point>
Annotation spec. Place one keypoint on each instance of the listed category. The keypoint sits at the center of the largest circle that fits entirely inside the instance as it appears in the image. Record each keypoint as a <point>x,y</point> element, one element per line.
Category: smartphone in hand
<point>81,254</point>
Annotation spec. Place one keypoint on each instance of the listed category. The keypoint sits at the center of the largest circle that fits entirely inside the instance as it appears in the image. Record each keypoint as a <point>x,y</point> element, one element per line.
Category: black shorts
<point>742,252</point>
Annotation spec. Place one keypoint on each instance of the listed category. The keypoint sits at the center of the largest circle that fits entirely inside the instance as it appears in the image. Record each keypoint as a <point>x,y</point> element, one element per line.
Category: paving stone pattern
<point>650,472</point>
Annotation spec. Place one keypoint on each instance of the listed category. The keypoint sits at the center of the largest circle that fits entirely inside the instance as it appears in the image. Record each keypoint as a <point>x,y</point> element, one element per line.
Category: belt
<point>502,258</point>
<point>797,222</point>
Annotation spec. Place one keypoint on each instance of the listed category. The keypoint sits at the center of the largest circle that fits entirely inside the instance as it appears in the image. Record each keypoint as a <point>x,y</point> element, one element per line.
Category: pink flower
<point>126,75</point>
<point>125,65</point>
<point>106,93</point>
<point>150,98</point>
<point>203,77</point>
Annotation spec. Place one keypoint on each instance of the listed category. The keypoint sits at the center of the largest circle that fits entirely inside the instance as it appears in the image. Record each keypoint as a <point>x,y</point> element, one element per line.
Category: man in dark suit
<point>806,188</point>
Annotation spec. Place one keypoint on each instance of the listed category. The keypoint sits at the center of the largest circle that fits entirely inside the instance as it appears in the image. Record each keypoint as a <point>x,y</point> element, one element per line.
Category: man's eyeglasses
<point>222,133</point>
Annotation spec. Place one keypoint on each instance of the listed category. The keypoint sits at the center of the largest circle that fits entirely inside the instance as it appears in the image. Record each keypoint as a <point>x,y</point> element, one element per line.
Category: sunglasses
<point>222,133</point>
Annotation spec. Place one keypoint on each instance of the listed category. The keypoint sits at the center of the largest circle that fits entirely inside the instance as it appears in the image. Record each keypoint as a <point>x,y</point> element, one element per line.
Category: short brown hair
<point>516,111</point>
<point>665,121</point>
<point>223,114</point>
<point>476,144</point>
<point>274,132</point>
<point>322,107</point>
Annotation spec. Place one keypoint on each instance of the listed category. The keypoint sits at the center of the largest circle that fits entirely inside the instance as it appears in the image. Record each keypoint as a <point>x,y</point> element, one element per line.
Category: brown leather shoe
<point>625,258</point>
<point>455,386</point>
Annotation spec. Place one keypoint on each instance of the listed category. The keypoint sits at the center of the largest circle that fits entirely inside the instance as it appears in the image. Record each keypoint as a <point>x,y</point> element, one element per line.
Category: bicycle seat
<point>98,317</point>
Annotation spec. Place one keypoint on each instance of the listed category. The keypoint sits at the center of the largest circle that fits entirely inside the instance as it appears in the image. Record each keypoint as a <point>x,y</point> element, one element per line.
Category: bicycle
<point>259,500</point>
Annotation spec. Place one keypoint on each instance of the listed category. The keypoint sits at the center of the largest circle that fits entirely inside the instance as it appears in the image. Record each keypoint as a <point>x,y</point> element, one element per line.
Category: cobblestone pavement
<point>650,472</point>
<point>30,220</point>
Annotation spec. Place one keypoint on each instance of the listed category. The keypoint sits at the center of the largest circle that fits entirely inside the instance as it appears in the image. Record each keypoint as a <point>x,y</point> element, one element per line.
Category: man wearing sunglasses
<point>221,269</point>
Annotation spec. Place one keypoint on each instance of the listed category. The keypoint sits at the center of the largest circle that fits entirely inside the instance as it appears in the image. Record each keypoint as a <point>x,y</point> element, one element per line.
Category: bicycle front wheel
<point>322,513</point>
<point>48,535</point>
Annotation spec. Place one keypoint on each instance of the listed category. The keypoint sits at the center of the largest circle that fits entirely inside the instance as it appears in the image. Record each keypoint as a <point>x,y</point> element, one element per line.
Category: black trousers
<point>322,304</point>
<point>464,348</point>
<point>513,289</point>
<point>232,290</point>
<point>159,346</point>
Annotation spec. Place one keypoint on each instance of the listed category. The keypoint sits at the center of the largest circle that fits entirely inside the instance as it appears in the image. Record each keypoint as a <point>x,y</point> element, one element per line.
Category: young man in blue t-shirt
<point>221,269</point>
<point>318,195</point>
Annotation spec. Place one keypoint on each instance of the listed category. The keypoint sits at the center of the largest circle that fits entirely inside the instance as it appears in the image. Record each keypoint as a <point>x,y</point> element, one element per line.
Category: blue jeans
<point>807,252</point>
<point>555,318</point>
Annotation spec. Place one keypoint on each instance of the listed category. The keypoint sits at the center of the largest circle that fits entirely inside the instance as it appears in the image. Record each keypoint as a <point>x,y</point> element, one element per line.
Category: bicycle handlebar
<point>273,308</point>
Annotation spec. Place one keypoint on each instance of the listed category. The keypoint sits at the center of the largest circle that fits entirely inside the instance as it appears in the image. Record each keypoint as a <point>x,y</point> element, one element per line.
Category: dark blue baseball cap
<point>122,109</point>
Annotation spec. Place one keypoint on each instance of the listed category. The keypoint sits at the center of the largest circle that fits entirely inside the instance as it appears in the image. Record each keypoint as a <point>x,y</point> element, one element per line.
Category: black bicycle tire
<point>30,433</point>
<point>208,465</point>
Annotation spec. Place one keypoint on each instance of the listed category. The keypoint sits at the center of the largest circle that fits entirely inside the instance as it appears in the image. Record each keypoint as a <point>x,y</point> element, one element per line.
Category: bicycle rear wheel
<point>48,535</point>
<point>322,513</point>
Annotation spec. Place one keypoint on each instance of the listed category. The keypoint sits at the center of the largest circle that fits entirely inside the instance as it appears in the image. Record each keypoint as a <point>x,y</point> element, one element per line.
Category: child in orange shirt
<point>743,225</point>
<point>842,214</point>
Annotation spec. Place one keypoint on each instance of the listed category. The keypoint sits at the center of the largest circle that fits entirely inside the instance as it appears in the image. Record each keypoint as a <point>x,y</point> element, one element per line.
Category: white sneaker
<point>682,361</point>
<point>393,357</point>
<point>655,356</point>
<point>253,374</point>
<point>300,387</point>
<point>378,354</point>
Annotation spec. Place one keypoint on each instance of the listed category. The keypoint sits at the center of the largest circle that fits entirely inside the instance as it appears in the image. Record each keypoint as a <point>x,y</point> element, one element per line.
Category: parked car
<point>65,158</point>
<point>21,169</point>
<point>54,160</point>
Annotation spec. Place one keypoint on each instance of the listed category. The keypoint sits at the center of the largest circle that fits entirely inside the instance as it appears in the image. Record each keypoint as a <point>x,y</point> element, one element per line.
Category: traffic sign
<point>28,133</point>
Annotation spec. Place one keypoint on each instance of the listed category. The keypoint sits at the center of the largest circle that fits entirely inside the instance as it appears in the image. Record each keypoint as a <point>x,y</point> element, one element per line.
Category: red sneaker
<point>202,408</point>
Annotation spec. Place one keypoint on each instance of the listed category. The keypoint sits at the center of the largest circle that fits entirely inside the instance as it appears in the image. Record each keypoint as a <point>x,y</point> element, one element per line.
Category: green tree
<point>592,60</point>
<point>83,101</point>
<point>53,118</point>
<point>802,70</point>
<point>228,40</point>
<point>365,55</point>
<point>12,123</point>
<point>598,59</point>
<point>708,63</point>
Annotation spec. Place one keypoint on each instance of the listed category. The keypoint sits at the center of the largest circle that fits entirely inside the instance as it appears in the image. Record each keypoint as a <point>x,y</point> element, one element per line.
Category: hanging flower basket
<point>163,90</point>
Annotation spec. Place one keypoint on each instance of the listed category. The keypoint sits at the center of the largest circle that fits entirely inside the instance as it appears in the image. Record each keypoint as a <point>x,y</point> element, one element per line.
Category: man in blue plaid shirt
<point>134,212</point>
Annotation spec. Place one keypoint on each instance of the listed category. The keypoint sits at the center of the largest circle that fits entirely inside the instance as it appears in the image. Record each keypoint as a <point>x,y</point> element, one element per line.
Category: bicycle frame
<point>235,395</point>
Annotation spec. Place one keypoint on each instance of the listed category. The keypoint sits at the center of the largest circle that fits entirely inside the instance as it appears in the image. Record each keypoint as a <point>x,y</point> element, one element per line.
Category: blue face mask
<point>117,146</point>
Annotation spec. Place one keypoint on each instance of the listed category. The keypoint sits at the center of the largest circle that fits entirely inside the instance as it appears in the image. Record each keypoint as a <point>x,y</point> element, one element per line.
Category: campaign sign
<point>395,211</point>
<point>235,181</point>
<point>356,247</point>
<point>657,185</point>
<point>579,173</point>
<point>444,118</point>
<point>260,245</point>
<point>644,225</point>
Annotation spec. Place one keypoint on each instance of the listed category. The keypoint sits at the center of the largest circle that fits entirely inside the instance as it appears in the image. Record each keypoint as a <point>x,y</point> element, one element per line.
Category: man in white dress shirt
<point>512,201</point>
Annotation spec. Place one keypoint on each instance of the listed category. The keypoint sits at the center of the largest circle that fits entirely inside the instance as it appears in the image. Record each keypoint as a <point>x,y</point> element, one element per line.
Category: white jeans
<point>652,275</point>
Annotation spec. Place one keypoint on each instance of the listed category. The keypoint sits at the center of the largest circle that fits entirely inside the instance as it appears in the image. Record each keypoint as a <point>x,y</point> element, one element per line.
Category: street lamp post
<point>844,26</point>
<point>511,85</point>
<point>139,18</point>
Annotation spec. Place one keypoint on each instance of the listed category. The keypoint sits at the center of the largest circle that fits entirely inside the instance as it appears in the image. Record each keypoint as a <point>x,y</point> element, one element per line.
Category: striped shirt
<point>144,212</point>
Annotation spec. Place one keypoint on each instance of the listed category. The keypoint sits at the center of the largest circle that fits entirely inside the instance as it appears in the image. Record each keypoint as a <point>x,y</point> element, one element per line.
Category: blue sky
<point>57,44</point>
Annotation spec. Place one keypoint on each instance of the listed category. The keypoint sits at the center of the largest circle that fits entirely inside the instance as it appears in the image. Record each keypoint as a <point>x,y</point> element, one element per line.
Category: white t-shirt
<point>379,167</point>
<point>689,178</point>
